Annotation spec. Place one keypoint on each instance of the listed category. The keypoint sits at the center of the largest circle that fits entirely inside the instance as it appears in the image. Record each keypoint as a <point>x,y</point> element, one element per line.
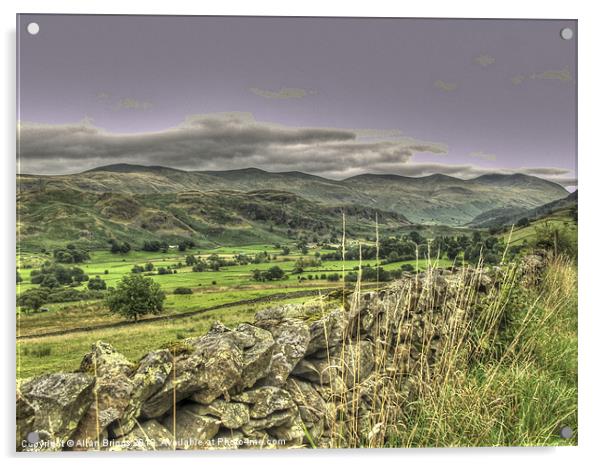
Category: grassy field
<point>228,286</point>
<point>562,219</point>
<point>63,353</point>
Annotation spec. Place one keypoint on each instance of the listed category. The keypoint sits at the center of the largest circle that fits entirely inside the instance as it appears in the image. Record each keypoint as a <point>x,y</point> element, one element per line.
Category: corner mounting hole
<point>566,33</point>
<point>33,28</point>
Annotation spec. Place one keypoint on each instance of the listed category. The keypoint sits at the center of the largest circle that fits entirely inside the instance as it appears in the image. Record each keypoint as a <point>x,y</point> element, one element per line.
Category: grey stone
<point>58,401</point>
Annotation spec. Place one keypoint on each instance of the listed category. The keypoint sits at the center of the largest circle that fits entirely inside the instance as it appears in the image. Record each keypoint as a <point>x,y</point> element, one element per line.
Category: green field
<point>561,219</point>
<point>63,353</point>
<point>231,286</point>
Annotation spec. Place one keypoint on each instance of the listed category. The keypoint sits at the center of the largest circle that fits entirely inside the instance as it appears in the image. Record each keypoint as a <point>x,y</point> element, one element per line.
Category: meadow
<point>232,287</point>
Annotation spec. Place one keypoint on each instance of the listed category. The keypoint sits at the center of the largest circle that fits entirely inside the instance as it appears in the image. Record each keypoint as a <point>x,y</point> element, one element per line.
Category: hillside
<point>56,214</point>
<point>511,215</point>
<point>435,199</point>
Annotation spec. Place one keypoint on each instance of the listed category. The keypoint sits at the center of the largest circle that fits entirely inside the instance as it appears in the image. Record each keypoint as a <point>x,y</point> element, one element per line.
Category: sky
<point>335,97</point>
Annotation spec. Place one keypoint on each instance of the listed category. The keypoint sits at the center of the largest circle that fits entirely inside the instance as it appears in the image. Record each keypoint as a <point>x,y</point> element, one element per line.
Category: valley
<point>222,245</point>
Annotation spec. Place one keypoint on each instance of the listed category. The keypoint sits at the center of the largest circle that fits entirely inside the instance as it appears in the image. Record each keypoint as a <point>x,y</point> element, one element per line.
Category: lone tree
<point>135,296</point>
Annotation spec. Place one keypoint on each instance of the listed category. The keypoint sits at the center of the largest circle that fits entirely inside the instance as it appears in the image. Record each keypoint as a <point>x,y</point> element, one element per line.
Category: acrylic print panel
<point>267,232</point>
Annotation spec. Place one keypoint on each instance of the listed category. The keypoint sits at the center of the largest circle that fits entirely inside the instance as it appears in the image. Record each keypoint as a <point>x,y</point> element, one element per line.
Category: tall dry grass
<point>499,369</point>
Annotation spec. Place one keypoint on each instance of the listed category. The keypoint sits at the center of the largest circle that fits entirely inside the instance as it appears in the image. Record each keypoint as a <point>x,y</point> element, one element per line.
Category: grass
<point>65,316</point>
<point>558,219</point>
<point>507,374</point>
<point>60,353</point>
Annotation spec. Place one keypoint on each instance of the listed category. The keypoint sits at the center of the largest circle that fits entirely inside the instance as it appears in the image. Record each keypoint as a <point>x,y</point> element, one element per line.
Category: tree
<point>71,254</point>
<point>523,222</point>
<point>182,290</point>
<point>97,283</point>
<point>155,246</point>
<point>185,244</point>
<point>149,267</point>
<point>135,296</point>
<point>33,298</point>
<point>274,273</point>
<point>200,266</point>
<point>119,248</point>
<point>53,275</point>
<point>453,251</point>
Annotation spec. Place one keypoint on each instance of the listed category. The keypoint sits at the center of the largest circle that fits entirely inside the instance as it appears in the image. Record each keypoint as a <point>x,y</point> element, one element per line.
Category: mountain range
<point>123,200</point>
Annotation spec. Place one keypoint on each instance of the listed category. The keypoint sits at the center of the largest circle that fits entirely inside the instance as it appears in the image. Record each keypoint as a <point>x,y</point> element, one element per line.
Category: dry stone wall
<point>297,376</point>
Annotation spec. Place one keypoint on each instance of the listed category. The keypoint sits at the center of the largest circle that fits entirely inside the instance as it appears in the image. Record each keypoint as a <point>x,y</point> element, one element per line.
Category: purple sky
<point>461,97</point>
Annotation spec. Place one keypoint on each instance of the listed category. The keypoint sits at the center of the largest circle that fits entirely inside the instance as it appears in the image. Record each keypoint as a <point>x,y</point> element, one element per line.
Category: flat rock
<point>265,400</point>
<point>192,430</point>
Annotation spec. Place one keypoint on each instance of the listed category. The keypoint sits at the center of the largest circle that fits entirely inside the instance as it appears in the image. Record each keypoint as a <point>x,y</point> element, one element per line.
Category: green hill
<point>432,200</point>
<point>57,214</point>
<point>509,216</point>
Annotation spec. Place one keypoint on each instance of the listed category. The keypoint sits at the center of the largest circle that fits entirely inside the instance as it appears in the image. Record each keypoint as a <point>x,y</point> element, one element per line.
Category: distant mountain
<point>511,215</point>
<point>433,200</point>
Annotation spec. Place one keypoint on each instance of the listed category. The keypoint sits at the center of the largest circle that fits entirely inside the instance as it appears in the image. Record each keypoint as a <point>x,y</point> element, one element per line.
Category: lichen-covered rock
<point>291,338</point>
<point>212,368</point>
<point>227,439</point>
<point>328,331</point>
<point>104,360</point>
<point>224,360</point>
<point>59,401</point>
<point>232,415</point>
<point>275,419</point>
<point>311,405</point>
<point>292,433</point>
<point>319,371</point>
<point>265,400</point>
<point>150,376</point>
<point>25,419</point>
<point>112,393</point>
<point>191,429</point>
<point>258,346</point>
<point>148,436</point>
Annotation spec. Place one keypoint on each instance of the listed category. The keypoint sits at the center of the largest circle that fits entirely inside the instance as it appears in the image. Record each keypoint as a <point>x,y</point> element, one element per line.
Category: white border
<point>590,230</point>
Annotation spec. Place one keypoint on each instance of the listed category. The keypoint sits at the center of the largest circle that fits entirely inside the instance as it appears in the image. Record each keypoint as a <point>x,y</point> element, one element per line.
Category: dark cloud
<point>214,141</point>
<point>237,140</point>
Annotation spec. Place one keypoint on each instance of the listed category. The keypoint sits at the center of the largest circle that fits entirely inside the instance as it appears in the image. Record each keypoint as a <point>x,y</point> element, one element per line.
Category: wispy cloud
<point>103,97</point>
<point>483,155</point>
<point>561,75</point>
<point>133,104</point>
<point>445,86</point>
<point>516,80</point>
<point>484,60</point>
<point>122,103</point>
<point>283,93</point>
